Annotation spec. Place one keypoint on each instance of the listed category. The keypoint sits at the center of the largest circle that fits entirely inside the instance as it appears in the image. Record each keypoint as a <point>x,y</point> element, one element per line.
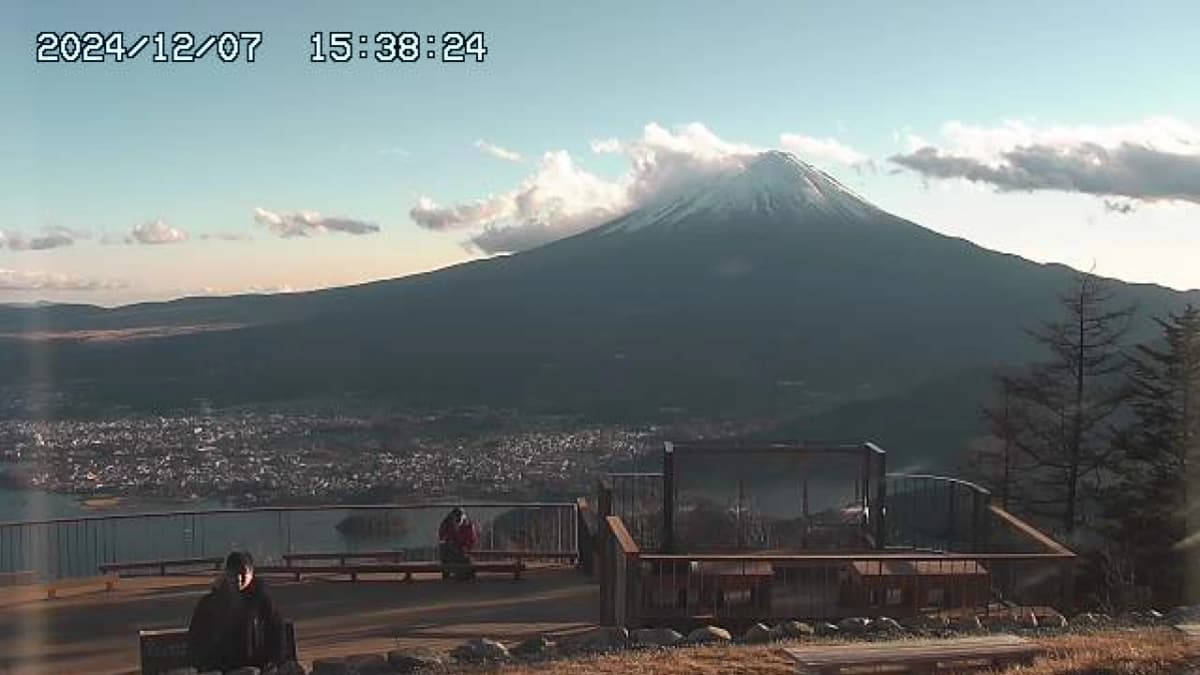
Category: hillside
<point>769,291</point>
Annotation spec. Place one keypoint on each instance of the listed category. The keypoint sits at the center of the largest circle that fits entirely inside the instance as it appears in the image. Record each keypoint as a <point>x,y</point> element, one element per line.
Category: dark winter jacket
<point>232,628</point>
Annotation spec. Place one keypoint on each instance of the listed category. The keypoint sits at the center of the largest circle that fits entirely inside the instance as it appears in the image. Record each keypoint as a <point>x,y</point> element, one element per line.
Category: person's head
<point>239,567</point>
<point>458,516</point>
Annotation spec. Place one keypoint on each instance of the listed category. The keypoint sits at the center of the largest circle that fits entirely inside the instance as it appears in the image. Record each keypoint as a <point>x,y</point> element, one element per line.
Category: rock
<point>757,634</point>
<point>855,625</point>
<point>1183,615</point>
<point>795,629</point>
<point>656,637</point>
<point>331,667</point>
<point>825,629</point>
<point>886,624</point>
<point>289,668</point>
<point>480,650</point>
<point>1140,617</point>
<point>413,660</point>
<point>540,647</point>
<point>368,664</point>
<point>933,622</point>
<point>1053,620</point>
<point>1090,619</point>
<point>968,624</point>
<point>708,635</point>
<point>244,670</point>
<point>603,639</point>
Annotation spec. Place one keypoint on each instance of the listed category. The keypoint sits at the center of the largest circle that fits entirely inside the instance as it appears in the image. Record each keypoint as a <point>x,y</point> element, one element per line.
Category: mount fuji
<point>765,290</point>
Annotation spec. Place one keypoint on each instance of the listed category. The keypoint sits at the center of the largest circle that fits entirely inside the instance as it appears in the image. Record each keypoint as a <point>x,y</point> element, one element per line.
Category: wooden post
<point>668,516</point>
<point>864,498</point>
<point>880,506</point>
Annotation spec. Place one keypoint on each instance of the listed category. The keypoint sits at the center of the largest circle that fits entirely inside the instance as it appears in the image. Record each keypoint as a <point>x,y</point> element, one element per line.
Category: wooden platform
<point>918,656</point>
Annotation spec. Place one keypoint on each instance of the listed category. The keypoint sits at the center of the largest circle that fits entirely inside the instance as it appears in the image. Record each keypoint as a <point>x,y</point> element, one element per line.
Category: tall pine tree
<point>1159,507</point>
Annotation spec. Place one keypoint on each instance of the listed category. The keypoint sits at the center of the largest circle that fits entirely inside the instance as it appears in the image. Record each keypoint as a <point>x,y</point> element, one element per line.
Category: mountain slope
<point>767,289</point>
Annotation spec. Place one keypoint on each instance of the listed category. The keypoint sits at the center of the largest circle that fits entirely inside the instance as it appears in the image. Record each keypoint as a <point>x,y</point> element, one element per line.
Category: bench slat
<point>160,565</point>
<point>405,568</point>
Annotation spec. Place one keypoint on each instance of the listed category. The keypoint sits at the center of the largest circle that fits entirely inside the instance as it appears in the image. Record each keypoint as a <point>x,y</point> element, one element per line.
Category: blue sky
<point>186,152</point>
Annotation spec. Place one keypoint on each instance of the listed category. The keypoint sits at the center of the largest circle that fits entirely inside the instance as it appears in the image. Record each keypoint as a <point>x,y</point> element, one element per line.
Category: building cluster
<point>252,457</point>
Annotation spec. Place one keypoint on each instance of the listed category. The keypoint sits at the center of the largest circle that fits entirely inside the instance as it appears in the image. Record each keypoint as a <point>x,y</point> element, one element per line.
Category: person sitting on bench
<point>236,624</point>
<point>457,535</point>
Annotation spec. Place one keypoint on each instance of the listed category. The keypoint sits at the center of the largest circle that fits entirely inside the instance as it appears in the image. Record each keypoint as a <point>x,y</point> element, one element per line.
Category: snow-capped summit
<point>774,187</point>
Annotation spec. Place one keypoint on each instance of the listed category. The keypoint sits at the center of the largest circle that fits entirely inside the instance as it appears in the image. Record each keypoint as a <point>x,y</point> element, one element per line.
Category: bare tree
<point>997,465</point>
<point>1061,411</point>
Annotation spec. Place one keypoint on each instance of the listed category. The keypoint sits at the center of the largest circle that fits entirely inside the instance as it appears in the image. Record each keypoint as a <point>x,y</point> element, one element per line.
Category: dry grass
<point>1161,650</point>
<point>1133,652</point>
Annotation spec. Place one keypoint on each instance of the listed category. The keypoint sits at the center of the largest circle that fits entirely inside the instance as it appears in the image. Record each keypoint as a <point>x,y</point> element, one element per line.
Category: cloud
<point>51,238</point>
<point>497,151</point>
<point>24,281</point>
<point>429,215</point>
<point>1151,161</point>
<point>561,198</point>
<point>226,236</point>
<point>156,232</point>
<point>310,223</point>
<point>821,150</point>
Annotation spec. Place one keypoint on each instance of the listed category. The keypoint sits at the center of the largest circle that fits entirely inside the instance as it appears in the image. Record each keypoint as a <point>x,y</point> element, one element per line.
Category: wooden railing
<point>641,588</point>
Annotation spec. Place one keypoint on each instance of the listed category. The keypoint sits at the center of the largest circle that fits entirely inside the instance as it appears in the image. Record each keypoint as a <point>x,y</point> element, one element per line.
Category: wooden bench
<point>160,565</point>
<point>408,569</point>
<point>917,656</point>
<point>343,557</point>
<point>164,650</point>
<point>569,557</point>
<point>108,581</point>
<point>19,578</point>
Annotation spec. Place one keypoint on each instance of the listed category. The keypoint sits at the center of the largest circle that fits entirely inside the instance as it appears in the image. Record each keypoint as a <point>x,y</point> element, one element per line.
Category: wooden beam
<point>1030,532</point>
<point>628,546</point>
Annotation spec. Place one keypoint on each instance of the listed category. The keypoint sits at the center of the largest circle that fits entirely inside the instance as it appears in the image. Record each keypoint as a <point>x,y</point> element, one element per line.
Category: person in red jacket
<point>457,536</point>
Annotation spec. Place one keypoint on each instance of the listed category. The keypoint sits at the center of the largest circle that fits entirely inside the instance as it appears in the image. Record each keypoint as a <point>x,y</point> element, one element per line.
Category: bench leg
<point>408,576</point>
<point>354,576</point>
<point>51,593</point>
<point>297,575</point>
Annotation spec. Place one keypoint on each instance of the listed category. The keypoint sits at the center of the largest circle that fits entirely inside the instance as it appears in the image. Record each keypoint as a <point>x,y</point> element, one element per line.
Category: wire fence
<point>71,547</point>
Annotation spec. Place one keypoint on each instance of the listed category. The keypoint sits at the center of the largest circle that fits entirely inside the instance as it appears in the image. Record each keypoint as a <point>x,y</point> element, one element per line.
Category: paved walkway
<point>96,632</point>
